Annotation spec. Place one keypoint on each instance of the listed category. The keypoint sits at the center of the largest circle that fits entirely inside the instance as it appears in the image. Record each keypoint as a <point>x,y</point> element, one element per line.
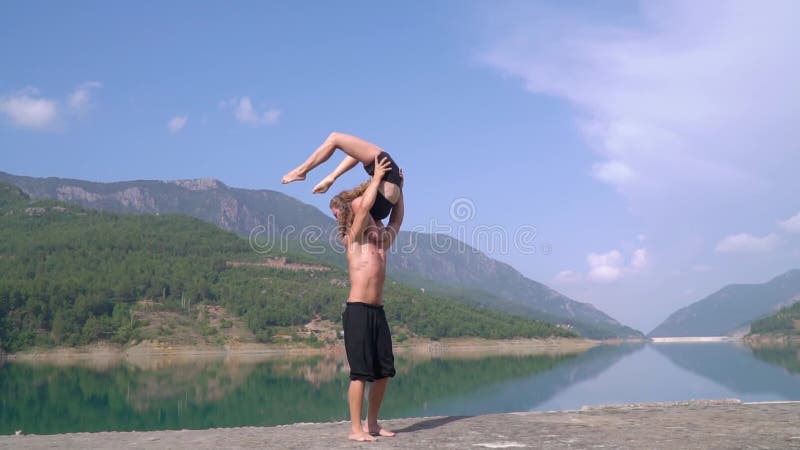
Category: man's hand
<point>382,167</point>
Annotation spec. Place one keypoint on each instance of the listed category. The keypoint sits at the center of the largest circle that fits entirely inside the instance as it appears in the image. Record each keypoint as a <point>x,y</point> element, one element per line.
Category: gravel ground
<point>717,424</point>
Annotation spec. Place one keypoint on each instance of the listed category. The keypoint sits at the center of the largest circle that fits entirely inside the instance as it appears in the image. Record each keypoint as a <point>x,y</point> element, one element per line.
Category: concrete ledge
<point>709,424</point>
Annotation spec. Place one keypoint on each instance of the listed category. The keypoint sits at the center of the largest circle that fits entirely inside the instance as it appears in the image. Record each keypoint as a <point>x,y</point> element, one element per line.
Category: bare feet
<point>361,436</point>
<point>322,186</point>
<point>294,175</point>
<point>378,431</point>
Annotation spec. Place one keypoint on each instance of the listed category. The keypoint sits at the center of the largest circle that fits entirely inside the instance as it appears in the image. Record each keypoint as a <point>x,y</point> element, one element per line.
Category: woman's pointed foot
<point>294,175</point>
<point>323,186</point>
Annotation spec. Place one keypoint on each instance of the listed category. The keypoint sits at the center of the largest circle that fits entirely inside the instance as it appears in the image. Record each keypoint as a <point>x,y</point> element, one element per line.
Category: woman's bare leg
<point>358,148</point>
<point>347,163</point>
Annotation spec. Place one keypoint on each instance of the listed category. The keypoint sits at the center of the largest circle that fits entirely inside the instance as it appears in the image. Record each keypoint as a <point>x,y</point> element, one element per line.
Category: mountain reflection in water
<point>194,393</point>
<point>197,393</point>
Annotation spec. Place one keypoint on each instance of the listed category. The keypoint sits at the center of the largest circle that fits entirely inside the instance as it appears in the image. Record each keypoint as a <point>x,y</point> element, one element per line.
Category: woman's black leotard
<point>382,207</point>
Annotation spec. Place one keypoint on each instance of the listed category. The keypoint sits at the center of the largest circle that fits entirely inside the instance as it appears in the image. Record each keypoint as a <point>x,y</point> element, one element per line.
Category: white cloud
<point>605,267</point>
<point>27,109</point>
<point>246,114</point>
<point>700,268</point>
<point>80,99</point>
<point>613,172</point>
<point>177,123</point>
<point>792,224</point>
<point>747,243</point>
<point>687,95</point>
<point>610,266</point>
<point>567,276</point>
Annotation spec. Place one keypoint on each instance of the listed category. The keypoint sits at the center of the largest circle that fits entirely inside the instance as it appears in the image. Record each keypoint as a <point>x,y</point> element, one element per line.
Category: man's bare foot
<point>323,186</point>
<point>294,175</point>
<point>378,431</point>
<point>361,436</point>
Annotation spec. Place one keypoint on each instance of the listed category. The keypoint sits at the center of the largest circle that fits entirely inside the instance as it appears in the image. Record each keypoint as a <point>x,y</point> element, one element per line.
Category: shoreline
<point>150,349</point>
<point>415,346</point>
<point>771,340</point>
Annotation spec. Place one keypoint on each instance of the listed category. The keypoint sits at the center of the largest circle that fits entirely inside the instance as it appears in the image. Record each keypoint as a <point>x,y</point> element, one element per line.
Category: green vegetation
<point>70,276</point>
<point>785,321</point>
<point>594,329</point>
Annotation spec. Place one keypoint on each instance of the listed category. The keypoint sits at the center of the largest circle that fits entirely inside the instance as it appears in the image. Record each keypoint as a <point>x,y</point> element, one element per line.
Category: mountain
<point>237,210</point>
<point>426,261</point>
<point>72,276</point>
<point>481,280</point>
<point>733,307</point>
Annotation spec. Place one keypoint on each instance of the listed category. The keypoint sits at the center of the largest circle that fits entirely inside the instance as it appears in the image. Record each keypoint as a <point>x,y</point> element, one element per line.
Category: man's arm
<point>393,227</point>
<point>361,211</point>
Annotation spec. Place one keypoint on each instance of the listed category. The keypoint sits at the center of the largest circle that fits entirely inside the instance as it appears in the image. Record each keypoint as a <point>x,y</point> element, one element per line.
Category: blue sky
<point>652,145</point>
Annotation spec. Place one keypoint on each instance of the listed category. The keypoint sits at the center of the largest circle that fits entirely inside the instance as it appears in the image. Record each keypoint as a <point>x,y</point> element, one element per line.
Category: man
<point>367,340</point>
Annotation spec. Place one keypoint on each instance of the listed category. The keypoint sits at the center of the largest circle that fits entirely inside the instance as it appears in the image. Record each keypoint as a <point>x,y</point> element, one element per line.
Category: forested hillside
<point>429,261</point>
<point>784,322</point>
<point>71,276</point>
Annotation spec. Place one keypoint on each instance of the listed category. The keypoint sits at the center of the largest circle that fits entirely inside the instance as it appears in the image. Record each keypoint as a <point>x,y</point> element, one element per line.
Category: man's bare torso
<point>366,259</point>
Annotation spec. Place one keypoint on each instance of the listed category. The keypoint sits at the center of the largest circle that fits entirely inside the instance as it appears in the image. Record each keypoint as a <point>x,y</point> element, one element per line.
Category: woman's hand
<point>382,167</point>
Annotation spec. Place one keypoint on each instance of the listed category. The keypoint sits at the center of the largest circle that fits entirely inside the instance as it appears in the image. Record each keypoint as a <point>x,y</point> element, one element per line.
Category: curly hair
<point>343,201</point>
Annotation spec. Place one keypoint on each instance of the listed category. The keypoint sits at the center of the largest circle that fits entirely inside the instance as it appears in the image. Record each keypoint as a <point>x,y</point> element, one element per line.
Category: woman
<point>358,150</point>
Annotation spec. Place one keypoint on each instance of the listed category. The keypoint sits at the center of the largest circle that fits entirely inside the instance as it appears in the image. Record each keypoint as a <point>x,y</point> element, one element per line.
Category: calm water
<point>159,394</point>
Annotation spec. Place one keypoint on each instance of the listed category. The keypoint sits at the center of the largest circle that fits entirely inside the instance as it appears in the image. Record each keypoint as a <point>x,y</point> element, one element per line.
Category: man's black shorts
<point>367,341</point>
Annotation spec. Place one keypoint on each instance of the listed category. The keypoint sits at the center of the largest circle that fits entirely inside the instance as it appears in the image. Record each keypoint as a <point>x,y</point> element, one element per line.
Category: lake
<point>199,393</point>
